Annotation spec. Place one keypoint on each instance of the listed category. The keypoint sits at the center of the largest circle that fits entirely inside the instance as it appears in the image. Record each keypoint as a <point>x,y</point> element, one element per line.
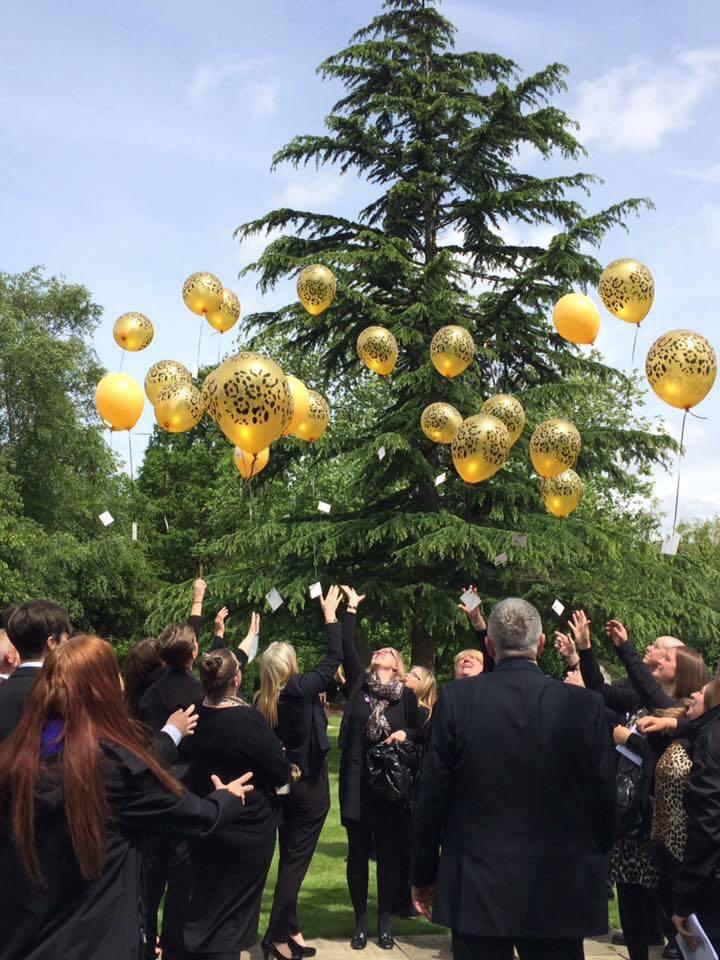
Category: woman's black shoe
<point>269,950</point>
<point>385,941</point>
<point>359,941</point>
<point>298,949</point>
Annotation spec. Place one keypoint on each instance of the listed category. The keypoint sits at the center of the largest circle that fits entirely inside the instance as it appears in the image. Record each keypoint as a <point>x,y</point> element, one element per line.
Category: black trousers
<point>639,909</point>
<point>467,947</point>
<point>708,912</point>
<point>385,826</point>
<point>304,809</point>
<point>166,863</point>
<point>668,866</point>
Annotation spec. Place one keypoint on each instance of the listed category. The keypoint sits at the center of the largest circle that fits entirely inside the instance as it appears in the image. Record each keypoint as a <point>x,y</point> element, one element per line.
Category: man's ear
<point>541,644</point>
<point>51,642</point>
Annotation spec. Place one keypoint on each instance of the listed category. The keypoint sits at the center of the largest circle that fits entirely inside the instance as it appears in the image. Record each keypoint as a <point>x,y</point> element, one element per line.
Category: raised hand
<point>238,788</point>
<point>199,588</point>
<point>475,615</point>
<point>253,629</point>
<point>565,646</point>
<point>353,597</point>
<point>329,603</point>
<point>580,629</point>
<point>184,721</point>
<point>220,618</point>
<point>657,725</point>
<point>617,632</point>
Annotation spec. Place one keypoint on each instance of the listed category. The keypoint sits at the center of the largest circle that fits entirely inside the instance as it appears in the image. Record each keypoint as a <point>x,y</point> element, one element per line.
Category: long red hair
<point>79,688</point>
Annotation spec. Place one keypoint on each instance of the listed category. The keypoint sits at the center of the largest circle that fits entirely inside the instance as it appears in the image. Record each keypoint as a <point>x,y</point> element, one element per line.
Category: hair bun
<point>210,663</point>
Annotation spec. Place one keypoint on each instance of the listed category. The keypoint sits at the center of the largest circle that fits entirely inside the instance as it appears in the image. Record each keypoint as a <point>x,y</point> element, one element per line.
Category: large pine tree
<point>438,135</point>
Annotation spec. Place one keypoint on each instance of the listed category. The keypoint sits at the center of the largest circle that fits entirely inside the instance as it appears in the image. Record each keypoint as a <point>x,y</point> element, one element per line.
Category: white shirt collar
<point>31,663</point>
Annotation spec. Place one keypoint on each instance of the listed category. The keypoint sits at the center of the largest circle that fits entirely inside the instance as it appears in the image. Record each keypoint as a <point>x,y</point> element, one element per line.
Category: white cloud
<point>633,107</point>
<point>705,175</point>
<point>311,191</point>
<point>251,80</point>
<point>252,247</point>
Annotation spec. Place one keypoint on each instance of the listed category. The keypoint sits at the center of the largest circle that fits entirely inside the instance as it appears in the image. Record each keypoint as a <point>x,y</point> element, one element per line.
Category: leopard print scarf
<point>381,696</point>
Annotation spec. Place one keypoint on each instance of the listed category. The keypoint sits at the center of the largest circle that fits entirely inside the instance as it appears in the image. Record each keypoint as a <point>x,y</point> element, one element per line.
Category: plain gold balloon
<point>554,447</point>
<point>481,446</point>
<point>452,350</point>
<point>681,367</point>
<point>509,411</point>
<point>576,318</point>
<point>627,289</point>
<point>133,331</point>
<point>316,422</point>
<point>227,314</point>
<point>249,465</point>
<point>440,422</point>
<point>202,293</point>
<point>179,407</point>
<point>301,403</point>
<point>562,494</point>
<point>119,401</point>
<point>316,288</point>
<point>378,350</point>
<point>249,398</point>
<point>163,374</point>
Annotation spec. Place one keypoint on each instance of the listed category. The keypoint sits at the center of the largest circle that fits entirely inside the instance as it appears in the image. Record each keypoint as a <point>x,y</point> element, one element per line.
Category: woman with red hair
<point>78,789</point>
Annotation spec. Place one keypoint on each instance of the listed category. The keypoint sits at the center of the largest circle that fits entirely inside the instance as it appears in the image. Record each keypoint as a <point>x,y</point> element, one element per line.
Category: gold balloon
<point>119,401</point>
<point>227,314</point>
<point>576,318</point>
<point>203,293</point>
<point>562,494</point>
<point>133,331</point>
<point>627,289</point>
<point>681,367</point>
<point>250,464</point>
<point>179,407</point>
<point>509,411</point>
<point>452,350</point>
<point>301,403</point>
<point>316,422</point>
<point>163,374</point>
<point>554,446</point>
<point>249,398</point>
<point>480,447</point>
<point>440,422</point>
<point>316,287</point>
<point>378,350</point>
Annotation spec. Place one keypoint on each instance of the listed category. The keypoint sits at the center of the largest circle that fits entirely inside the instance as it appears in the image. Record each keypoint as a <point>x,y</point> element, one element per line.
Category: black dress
<point>229,871</point>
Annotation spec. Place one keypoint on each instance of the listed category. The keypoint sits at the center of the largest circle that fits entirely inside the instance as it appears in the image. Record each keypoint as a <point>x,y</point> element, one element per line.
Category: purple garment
<point>51,741</point>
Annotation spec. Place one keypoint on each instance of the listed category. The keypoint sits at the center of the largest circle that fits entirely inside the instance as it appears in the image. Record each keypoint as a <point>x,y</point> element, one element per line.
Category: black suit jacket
<point>13,694</point>
<point>518,789</point>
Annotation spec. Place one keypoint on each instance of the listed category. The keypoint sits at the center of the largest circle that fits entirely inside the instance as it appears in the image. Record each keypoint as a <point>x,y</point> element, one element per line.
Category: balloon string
<point>680,456</point>
<point>635,339</point>
<point>312,481</point>
<point>122,359</point>
<point>250,497</point>
<point>132,470</point>
<point>197,364</point>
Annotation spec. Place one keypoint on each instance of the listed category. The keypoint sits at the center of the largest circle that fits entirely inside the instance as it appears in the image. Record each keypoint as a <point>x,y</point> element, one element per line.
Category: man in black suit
<point>34,628</point>
<point>519,791</point>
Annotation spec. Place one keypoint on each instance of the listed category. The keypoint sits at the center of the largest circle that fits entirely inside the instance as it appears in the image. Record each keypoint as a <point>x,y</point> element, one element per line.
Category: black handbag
<point>394,771</point>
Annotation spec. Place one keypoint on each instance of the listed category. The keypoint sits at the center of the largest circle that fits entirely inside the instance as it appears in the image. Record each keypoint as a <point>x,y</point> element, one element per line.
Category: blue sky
<point>136,136</point>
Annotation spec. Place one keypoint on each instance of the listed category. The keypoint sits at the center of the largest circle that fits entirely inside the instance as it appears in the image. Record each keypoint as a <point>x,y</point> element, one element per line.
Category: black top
<point>69,917</point>
<point>627,696</point>
<point>518,787</point>
<point>13,694</point>
<point>302,724</point>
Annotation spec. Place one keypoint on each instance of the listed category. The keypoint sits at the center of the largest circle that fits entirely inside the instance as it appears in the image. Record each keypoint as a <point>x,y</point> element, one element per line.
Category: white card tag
<point>470,600</point>
<point>558,608</point>
<point>194,371</point>
<point>106,518</point>
<point>315,590</point>
<point>134,530</point>
<point>501,560</point>
<point>167,525</point>
<point>670,546</point>
<point>324,507</point>
<point>274,599</point>
<point>381,453</point>
<point>252,652</point>
<point>440,478</point>
<point>519,540</point>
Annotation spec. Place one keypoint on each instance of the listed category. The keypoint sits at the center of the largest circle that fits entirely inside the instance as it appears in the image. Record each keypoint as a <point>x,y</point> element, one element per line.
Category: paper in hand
<point>470,599</point>
<point>670,546</point>
<point>274,599</point>
<point>705,950</point>
<point>324,507</point>
<point>106,518</point>
<point>315,590</point>
<point>558,608</point>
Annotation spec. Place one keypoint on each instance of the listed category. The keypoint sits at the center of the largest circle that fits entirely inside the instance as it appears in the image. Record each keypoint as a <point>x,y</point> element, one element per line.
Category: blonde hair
<point>278,664</point>
<point>477,654</point>
<point>712,694</point>
<point>426,692</point>
<point>399,662</point>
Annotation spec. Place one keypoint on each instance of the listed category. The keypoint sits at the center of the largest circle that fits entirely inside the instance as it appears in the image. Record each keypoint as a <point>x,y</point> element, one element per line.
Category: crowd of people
<point>506,808</point>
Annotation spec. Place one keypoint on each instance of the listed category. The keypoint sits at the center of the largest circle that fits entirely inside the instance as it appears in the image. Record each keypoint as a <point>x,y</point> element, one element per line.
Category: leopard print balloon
<point>202,293</point>
<point>681,367</point>
<point>249,398</point>
<point>133,331</point>
<point>179,407</point>
<point>480,447</point>
<point>452,350</point>
<point>554,446</point>
<point>316,288</point>
<point>562,494</point>
<point>627,289</point>
<point>440,422</point>
<point>509,410</point>
<point>316,422</point>
<point>162,374</point>
<point>378,350</point>
<point>227,314</point>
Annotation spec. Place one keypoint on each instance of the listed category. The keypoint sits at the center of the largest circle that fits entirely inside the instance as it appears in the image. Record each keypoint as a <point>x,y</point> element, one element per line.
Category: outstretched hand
<point>199,588</point>
<point>580,629</point>
<point>474,615</point>
<point>253,629</point>
<point>330,602</point>
<point>617,632</point>
<point>220,618</point>
<point>184,721</point>
<point>353,597</point>
<point>238,788</point>
<point>565,646</point>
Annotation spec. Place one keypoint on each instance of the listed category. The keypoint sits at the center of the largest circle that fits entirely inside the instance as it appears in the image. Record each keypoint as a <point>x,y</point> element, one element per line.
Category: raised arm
<point>320,678</point>
<point>352,666</point>
<point>477,622</point>
<point>218,640</point>
<point>649,691</point>
<point>247,649</point>
<point>195,617</point>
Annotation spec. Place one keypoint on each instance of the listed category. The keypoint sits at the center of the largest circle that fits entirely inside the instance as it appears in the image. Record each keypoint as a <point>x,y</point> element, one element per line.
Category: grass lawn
<point>325,909</point>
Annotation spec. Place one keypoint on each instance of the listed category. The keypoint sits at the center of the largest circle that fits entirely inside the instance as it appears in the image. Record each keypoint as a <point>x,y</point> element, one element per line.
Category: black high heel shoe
<point>299,950</point>
<point>385,941</point>
<point>270,950</point>
<point>359,941</point>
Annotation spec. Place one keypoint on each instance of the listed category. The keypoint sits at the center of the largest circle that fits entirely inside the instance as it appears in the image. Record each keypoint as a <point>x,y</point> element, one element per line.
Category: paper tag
<point>315,590</point>
<point>252,652</point>
<point>440,478</point>
<point>670,546</point>
<point>500,560</point>
<point>323,507</point>
<point>381,453</point>
<point>134,530</point>
<point>470,599</point>
<point>106,518</point>
<point>167,525</point>
<point>194,371</point>
<point>558,608</point>
<point>519,540</point>
<point>274,599</point>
